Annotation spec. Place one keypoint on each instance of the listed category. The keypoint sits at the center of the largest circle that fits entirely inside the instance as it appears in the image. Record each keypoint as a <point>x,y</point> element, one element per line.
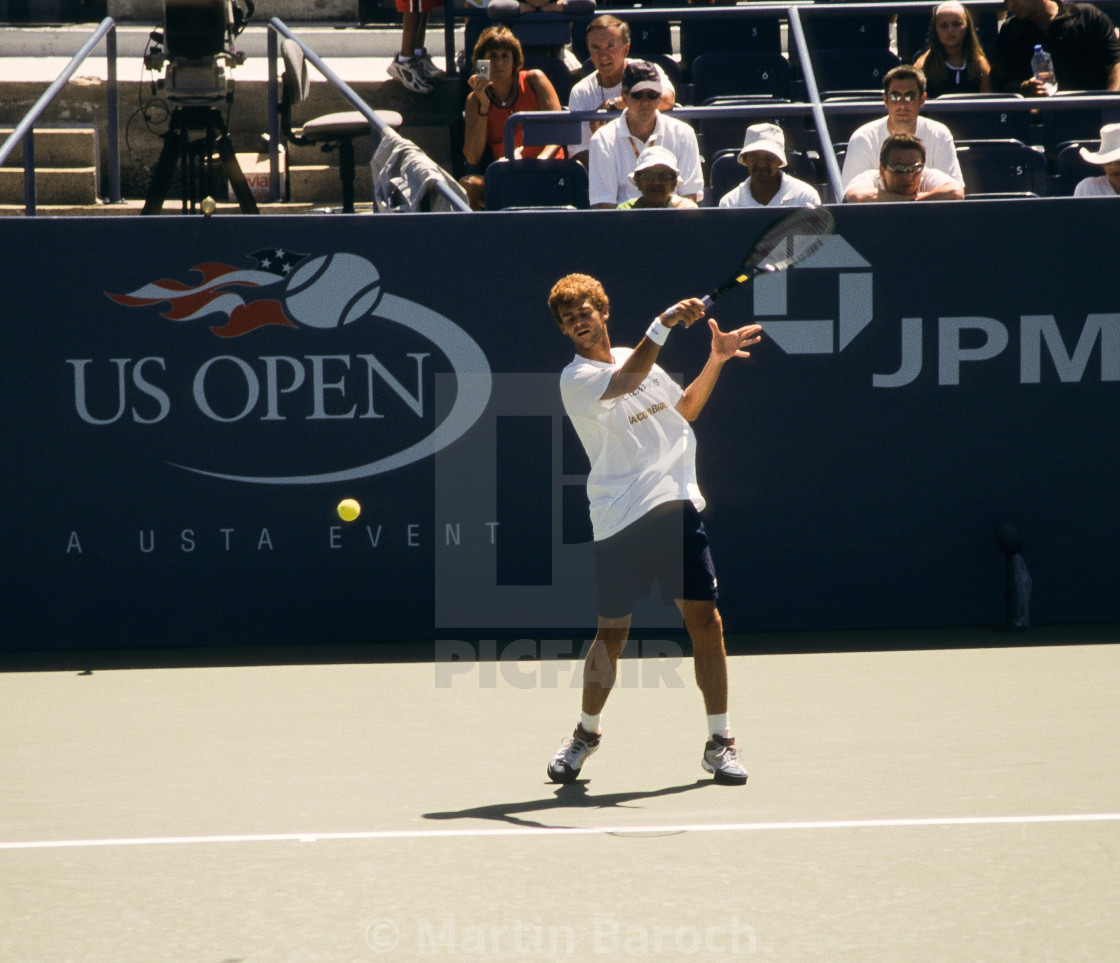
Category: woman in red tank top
<point>509,90</point>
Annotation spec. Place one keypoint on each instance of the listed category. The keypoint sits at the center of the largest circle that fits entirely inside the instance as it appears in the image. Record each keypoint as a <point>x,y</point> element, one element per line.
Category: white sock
<point>589,724</point>
<point>418,52</point>
<point>719,726</point>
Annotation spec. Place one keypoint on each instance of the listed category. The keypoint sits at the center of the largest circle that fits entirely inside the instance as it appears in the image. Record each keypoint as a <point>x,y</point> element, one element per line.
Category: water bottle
<point>1043,66</point>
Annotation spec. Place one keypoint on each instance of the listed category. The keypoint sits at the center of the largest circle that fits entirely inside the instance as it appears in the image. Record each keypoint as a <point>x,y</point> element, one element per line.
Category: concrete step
<point>57,147</point>
<point>53,185</point>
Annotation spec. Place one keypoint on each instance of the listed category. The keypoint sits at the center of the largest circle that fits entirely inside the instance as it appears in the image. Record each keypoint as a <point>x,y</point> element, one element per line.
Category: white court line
<point>568,831</point>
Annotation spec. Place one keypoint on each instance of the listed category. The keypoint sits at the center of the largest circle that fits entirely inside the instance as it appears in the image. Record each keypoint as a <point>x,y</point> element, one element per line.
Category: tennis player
<point>633,421</point>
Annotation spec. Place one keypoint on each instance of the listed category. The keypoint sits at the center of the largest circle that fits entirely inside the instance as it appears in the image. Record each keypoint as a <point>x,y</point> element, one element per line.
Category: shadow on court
<point>571,796</point>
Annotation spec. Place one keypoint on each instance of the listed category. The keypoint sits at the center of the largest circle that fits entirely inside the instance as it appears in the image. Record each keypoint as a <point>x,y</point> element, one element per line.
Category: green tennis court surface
<point>934,804</point>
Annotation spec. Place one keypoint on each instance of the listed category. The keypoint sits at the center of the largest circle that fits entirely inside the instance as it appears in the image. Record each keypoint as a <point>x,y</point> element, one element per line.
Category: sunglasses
<point>660,177</point>
<point>905,168</point>
<point>896,98</point>
<point>645,95</point>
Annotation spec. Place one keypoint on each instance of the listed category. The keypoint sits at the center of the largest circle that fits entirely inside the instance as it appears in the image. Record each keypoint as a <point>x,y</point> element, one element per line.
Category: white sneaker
<point>571,756</point>
<point>409,75</point>
<point>427,67</point>
<point>722,759</point>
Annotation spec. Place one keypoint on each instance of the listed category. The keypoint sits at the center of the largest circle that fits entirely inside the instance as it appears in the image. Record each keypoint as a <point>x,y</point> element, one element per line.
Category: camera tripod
<point>196,159</point>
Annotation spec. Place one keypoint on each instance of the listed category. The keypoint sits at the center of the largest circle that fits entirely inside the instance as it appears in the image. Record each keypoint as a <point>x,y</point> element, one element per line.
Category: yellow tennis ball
<point>349,509</point>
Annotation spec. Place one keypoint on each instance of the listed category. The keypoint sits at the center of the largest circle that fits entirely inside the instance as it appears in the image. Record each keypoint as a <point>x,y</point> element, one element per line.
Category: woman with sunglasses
<point>953,61</point>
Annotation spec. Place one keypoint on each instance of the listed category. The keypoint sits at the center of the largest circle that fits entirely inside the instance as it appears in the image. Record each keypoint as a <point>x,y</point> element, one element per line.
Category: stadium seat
<point>727,173</point>
<point>995,124</point>
<point>704,35</point>
<point>329,132</point>
<point>1073,168</point>
<point>1074,123</point>
<point>751,72</point>
<point>870,29</point>
<point>532,182</point>
<point>1002,167</point>
<point>716,134</point>
<point>556,71</point>
<point>648,38</point>
<point>841,125</point>
<point>856,68</point>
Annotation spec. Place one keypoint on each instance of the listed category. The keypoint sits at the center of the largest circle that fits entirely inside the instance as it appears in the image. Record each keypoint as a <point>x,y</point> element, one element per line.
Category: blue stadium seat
<point>727,173</point>
<point>532,182</point>
<point>1072,168</point>
<point>994,124</point>
<point>556,71</point>
<point>1002,167</point>
<point>855,68</point>
<point>648,38</point>
<point>750,72</point>
<point>735,34</point>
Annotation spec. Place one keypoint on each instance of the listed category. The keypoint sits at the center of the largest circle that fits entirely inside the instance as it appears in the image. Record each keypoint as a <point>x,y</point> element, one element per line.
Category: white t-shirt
<point>1094,187</point>
<point>642,450</point>
<point>614,155</point>
<point>870,179</point>
<point>792,193</point>
<point>863,149</point>
<point>589,94</point>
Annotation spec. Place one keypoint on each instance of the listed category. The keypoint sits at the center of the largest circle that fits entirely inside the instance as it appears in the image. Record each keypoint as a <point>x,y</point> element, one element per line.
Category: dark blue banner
<point>187,401</point>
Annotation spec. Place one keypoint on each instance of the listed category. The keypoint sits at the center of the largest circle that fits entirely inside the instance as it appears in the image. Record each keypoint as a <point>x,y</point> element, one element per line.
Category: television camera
<point>197,45</point>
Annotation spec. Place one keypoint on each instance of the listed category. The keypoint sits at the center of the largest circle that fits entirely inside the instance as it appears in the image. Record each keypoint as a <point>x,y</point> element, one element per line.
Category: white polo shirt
<point>863,149</point>
<point>614,151</point>
<point>792,193</point>
<point>642,450</point>
<point>589,94</point>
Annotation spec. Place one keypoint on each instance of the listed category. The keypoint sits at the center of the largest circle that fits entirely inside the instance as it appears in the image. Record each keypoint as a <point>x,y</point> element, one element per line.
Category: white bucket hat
<point>654,156</point>
<point>1110,146</point>
<point>768,137</point>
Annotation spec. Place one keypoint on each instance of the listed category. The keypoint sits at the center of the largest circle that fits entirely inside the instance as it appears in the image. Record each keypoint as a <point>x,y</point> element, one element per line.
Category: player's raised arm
<point>725,346</point>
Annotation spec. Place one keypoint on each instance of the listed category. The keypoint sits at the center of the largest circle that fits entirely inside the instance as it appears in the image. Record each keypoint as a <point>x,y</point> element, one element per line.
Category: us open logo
<point>312,296</point>
<point>818,335</point>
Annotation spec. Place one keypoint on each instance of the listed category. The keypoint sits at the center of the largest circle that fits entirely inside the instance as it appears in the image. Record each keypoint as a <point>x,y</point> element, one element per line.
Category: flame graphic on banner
<point>213,295</point>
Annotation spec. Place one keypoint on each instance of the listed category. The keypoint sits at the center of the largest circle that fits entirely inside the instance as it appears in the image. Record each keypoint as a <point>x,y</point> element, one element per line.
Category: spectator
<point>903,176</point>
<point>764,156</point>
<point>615,147</point>
<point>1080,38</point>
<point>954,61</point>
<point>904,93</point>
<point>412,68</point>
<point>490,102</point>
<point>656,176</point>
<point>608,42</point>
<point>1107,185</point>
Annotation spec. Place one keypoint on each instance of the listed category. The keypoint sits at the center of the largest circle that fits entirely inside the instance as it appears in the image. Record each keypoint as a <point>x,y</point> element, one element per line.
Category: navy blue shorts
<point>668,543</point>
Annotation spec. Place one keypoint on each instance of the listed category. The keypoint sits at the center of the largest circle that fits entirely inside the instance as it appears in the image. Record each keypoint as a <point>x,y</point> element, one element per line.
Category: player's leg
<point>705,628</point>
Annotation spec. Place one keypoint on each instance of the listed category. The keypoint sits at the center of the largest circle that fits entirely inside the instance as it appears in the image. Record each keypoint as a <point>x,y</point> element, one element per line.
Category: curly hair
<point>574,289</point>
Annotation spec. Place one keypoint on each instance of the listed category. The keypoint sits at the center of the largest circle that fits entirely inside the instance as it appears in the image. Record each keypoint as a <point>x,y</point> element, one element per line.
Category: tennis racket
<point>789,241</point>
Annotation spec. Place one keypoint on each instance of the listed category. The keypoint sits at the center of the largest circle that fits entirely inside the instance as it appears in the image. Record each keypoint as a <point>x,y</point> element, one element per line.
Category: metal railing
<point>25,129</point>
<point>276,27</point>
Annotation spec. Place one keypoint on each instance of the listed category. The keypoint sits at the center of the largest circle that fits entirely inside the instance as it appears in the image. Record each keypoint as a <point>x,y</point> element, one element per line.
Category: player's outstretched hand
<point>683,312</point>
<point>733,344</point>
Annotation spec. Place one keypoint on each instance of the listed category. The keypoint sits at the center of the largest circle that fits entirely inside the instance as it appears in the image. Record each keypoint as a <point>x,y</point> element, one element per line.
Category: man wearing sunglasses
<point>904,93</point>
<point>616,147</point>
<point>903,176</point>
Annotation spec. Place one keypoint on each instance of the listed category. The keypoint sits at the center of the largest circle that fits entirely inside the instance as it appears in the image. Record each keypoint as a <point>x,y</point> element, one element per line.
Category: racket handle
<point>708,302</point>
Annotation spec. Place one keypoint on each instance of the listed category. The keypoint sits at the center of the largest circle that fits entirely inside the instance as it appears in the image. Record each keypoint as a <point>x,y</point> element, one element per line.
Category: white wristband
<point>658,332</point>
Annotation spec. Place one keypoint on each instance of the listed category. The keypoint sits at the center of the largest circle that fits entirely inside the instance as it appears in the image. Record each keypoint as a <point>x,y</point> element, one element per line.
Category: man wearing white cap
<point>615,147</point>
<point>1108,184</point>
<point>656,177</point>
<point>767,185</point>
